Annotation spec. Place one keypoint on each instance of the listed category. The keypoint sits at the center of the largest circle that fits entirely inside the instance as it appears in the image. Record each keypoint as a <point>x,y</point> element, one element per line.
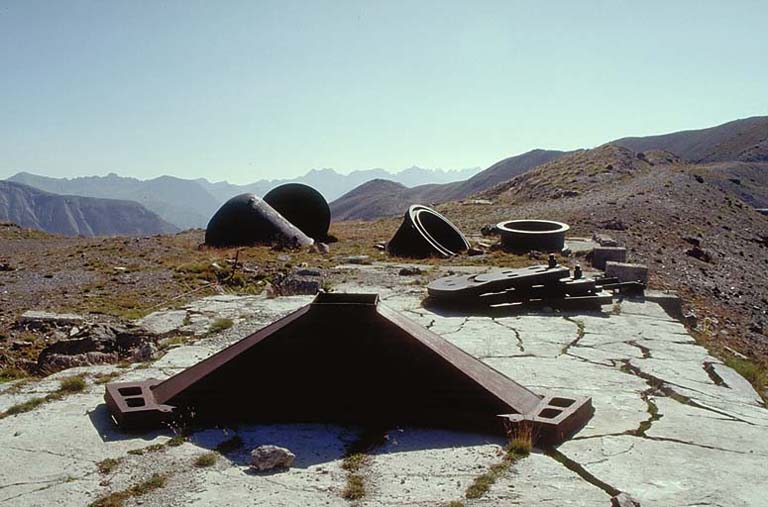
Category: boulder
<point>268,457</point>
<point>34,319</point>
<point>58,362</point>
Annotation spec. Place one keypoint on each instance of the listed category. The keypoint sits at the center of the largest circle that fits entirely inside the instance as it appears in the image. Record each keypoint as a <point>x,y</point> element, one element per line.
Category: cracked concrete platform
<point>672,425</point>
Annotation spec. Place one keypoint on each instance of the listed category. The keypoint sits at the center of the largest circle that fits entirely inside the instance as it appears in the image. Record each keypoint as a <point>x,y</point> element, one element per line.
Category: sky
<point>245,90</point>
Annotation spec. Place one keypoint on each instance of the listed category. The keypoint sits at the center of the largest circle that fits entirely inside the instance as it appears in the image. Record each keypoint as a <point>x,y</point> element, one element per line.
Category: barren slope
<point>399,197</point>
<point>656,210</point>
<point>745,140</point>
<point>76,215</point>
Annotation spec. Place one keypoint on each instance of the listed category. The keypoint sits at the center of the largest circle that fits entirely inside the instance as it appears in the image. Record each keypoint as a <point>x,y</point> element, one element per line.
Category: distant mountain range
<point>739,147</point>
<point>381,197</point>
<point>191,203</point>
<point>76,215</point>
<point>741,141</point>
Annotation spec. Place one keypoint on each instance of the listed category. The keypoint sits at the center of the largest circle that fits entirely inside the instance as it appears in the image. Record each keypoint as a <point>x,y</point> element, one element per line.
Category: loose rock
<point>268,457</point>
<point>410,271</point>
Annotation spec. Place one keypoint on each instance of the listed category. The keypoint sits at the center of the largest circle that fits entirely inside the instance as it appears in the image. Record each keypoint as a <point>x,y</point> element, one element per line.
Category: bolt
<point>552,261</point>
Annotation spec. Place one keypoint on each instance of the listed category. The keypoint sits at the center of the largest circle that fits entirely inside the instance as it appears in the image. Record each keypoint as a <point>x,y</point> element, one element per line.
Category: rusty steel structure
<point>247,220</point>
<point>426,233</point>
<point>346,358</point>
<point>551,285</point>
<point>303,206</point>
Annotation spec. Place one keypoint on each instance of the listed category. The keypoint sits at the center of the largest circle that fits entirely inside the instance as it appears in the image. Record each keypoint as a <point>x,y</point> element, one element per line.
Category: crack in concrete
<point>520,344</point>
<point>46,451</point>
<point>653,413</point>
<point>582,472</point>
<point>630,433</point>
<point>458,329</point>
<point>663,386</point>
<point>595,363</point>
<point>506,357</point>
<point>609,456</point>
<point>579,334</point>
<point>644,350</point>
<point>716,379</point>
<point>53,484</point>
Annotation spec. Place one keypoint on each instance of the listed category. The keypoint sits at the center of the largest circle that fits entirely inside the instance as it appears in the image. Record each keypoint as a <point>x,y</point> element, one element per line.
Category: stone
<point>321,248</point>
<point>693,240</point>
<point>699,253</point>
<point>489,230</point>
<point>58,362</point>
<point>624,500</point>
<point>356,259</point>
<point>614,225</point>
<point>299,286</point>
<point>410,271</point>
<point>146,352</point>
<point>268,457</point>
<point>604,239</point>
<point>602,254</point>
<point>626,272</point>
<point>160,323</point>
<point>37,319</point>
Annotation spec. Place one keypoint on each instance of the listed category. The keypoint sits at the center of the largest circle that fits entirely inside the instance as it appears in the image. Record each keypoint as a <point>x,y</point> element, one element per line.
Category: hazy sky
<point>243,90</point>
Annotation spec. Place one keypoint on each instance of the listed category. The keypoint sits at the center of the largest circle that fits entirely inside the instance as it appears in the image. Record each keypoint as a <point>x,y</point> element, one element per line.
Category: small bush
<point>206,460</point>
<point>220,325</point>
<point>176,441</point>
<point>72,385</point>
<point>26,406</point>
<point>520,442</point>
<point>354,461</point>
<point>157,481</point>
<point>103,378</point>
<point>7,374</point>
<point>355,487</point>
<point>107,465</point>
<point>118,498</point>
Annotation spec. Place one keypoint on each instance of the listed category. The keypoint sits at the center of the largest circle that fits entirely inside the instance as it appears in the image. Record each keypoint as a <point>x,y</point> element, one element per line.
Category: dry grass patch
<point>519,446</point>
<point>206,460</point>
<point>118,498</point>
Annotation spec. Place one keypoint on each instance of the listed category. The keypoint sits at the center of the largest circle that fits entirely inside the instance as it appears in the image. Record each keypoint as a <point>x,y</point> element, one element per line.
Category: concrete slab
<point>672,425</point>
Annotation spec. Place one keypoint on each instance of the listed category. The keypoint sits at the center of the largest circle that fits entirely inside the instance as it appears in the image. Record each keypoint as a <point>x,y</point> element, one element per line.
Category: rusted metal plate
<point>345,358</point>
<point>460,286</point>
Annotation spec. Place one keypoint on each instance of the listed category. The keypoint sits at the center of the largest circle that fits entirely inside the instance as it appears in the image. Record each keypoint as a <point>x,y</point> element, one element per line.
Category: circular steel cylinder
<point>304,207</point>
<point>246,220</point>
<point>527,235</point>
<point>424,233</point>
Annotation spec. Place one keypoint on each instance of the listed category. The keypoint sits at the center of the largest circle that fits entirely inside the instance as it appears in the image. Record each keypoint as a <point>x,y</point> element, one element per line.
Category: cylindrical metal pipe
<point>526,235</point>
<point>424,233</point>
<point>246,220</point>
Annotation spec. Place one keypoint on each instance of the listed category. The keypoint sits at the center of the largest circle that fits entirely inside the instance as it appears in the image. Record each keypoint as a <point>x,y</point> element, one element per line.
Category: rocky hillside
<point>76,215</point>
<point>695,229</point>
<point>184,203</point>
<point>744,140</point>
<point>398,197</point>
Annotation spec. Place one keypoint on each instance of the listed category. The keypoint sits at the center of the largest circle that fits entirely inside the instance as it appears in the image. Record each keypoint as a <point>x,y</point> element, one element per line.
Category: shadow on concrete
<point>109,431</point>
<point>316,444</point>
<point>468,309</point>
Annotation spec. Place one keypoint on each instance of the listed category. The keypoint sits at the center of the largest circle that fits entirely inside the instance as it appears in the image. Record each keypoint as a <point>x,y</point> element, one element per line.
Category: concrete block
<point>627,272</point>
<point>602,254</point>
